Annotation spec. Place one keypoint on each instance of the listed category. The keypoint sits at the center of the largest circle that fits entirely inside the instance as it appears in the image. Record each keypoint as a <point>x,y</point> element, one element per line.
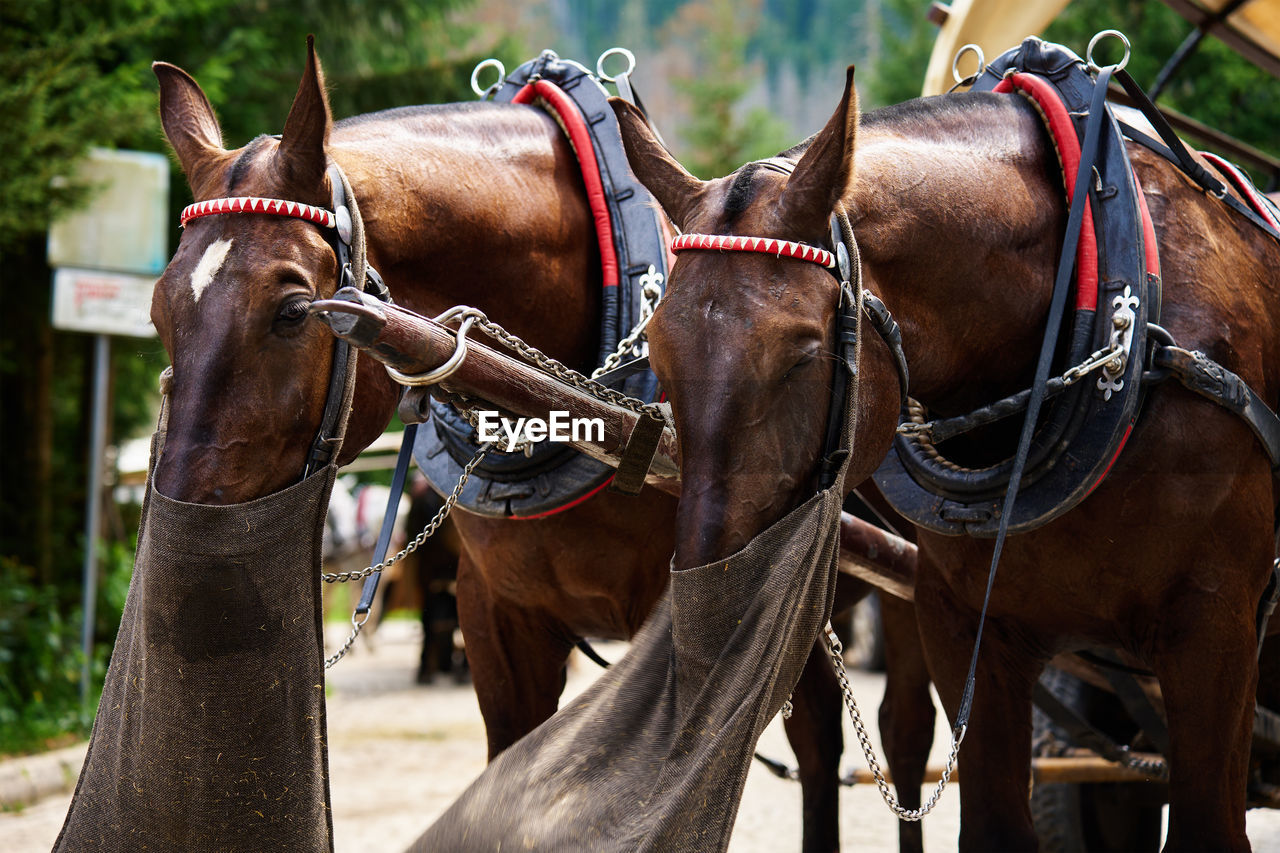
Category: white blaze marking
<point>210,263</point>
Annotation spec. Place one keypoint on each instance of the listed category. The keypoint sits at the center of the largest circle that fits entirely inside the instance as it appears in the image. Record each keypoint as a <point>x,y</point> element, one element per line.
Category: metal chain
<point>466,408</point>
<point>836,651</point>
<point>429,530</point>
<point>1096,359</point>
<point>651,293</point>
<point>346,646</point>
<point>1156,768</point>
<point>561,371</point>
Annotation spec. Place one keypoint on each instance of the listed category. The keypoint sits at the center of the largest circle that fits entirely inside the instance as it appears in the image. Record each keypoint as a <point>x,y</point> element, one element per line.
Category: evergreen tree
<point>77,75</point>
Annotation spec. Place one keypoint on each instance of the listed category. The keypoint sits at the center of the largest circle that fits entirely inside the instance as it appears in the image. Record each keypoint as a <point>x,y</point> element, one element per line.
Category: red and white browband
<point>249,204</point>
<point>779,248</point>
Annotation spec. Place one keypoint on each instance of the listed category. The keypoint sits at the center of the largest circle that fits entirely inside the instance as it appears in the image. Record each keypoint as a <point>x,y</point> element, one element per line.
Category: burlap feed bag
<point>210,734</point>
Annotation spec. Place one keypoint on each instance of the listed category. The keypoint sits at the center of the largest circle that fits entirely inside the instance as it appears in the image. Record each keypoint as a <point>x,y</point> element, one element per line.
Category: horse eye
<point>806,357</point>
<point>293,311</point>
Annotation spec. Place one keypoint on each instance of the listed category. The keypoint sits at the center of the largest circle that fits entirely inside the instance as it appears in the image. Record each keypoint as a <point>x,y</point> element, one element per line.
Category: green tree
<point>77,75</point>
<point>722,136</point>
<point>1215,85</point>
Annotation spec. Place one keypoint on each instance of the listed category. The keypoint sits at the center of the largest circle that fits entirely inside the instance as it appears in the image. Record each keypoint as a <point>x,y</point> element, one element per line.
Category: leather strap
<point>1206,377</point>
<point>638,456</point>
<point>1062,285</point>
<point>388,518</point>
<point>1134,135</point>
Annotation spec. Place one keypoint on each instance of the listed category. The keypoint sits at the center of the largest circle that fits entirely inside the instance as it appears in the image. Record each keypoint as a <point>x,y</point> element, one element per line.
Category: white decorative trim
<point>764,245</point>
<point>251,204</point>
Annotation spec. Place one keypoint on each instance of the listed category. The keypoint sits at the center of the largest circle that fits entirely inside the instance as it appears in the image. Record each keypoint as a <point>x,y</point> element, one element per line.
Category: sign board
<point>122,233</point>
<point>107,303</point>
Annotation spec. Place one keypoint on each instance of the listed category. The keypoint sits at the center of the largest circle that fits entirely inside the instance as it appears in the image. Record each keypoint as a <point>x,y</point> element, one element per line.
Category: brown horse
<point>957,206</point>
<point>476,203</point>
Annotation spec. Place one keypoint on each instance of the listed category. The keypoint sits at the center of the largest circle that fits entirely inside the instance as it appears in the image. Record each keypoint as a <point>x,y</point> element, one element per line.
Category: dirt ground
<point>400,753</point>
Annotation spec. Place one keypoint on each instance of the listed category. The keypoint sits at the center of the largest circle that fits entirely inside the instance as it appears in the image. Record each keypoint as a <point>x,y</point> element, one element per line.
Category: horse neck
<point>958,212</point>
<point>479,204</point>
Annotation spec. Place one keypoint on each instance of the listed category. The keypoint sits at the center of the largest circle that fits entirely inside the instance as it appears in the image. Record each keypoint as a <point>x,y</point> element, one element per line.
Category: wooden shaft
<point>413,344</point>
<point>877,557</point>
<point>1045,770</point>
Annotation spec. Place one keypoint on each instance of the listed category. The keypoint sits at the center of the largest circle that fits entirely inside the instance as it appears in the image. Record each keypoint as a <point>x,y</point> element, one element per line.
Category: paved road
<point>399,754</point>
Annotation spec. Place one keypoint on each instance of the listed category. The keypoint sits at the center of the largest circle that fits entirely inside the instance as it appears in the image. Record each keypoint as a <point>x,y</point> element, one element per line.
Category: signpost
<point>106,257</point>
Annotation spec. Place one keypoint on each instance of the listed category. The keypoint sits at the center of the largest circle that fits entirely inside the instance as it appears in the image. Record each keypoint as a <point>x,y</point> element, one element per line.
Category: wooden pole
<point>413,344</point>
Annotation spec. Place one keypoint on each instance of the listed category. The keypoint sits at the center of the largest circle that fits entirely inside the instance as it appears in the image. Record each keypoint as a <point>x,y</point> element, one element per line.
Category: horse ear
<point>824,174</point>
<point>674,188</point>
<point>188,121</point>
<point>301,155</point>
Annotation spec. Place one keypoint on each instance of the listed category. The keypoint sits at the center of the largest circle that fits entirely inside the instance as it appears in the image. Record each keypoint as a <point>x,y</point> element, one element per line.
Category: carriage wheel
<point>1102,817</point>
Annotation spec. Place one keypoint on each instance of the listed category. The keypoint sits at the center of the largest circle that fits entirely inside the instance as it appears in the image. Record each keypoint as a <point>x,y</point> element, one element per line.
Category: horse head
<point>250,367</point>
<point>743,342</point>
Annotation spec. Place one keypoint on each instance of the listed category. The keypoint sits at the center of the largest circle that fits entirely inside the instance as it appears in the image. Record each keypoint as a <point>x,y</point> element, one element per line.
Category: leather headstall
<point>348,243</point>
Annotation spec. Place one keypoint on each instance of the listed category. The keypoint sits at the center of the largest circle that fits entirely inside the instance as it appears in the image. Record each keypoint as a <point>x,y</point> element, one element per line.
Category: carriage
<point>697,458</point>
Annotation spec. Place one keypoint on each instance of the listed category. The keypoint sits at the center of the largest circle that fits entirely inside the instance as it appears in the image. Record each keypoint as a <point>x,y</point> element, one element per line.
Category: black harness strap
<point>1213,381</point>
<point>1134,135</point>
<point>1081,730</point>
<point>1061,286</point>
<point>325,442</point>
<point>388,518</point>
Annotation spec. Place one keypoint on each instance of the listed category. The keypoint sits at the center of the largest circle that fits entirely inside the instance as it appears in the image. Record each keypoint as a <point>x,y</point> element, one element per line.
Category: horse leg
<point>1209,690</point>
<point>907,714</point>
<point>994,810</point>
<point>816,737</point>
<point>517,660</point>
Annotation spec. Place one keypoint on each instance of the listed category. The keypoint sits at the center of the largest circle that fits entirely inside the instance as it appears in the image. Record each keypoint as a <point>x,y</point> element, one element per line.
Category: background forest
<point>727,80</point>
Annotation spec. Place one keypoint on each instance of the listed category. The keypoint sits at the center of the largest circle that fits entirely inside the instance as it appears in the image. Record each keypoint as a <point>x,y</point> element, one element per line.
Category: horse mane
<point>240,168</point>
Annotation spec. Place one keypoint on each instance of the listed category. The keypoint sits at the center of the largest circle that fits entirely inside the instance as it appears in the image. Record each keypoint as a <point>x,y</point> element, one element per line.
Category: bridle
<point>348,243</point>
<point>845,264</point>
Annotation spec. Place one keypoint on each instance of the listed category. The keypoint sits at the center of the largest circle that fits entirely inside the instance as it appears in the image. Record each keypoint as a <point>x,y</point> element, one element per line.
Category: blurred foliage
<point>905,40</point>
<point>41,655</point>
<point>721,136</point>
<point>77,75</point>
<point>1215,85</point>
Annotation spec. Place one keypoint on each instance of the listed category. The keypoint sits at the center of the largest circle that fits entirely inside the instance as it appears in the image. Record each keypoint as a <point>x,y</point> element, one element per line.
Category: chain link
<point>1092,362</point>
<point>432,526</point>
<point>561,371</point>
<point>836,651</point>
<point>651,294</point>
<point>346,646</point>
<point>427,532</point>
<point>1096,359</point>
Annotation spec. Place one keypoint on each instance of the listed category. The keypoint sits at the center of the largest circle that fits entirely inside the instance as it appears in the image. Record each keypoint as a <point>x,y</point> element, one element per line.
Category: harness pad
<point>633,250</point>
<point>1082,432</point>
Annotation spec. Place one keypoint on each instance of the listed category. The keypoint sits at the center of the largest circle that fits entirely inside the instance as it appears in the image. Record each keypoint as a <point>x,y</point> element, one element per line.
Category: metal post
<point>93,505</point>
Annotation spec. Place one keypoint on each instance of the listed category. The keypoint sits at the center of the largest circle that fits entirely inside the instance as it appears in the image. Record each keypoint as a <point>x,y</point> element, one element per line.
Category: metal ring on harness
<point>485,94</point>
<point>615,51</point>
<point>955,66</point>
<point>1088,54</point>
<point>444,371</point>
